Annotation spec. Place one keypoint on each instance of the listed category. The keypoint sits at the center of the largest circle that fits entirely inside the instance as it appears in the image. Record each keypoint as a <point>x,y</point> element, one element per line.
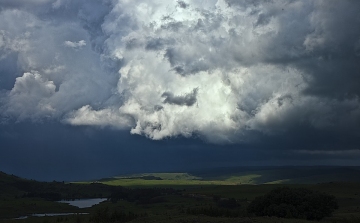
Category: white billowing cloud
<point>226,53</point>
<point>14,37</point>
<point>39,46</point>
<point>75,45</point>
<point>106,117</point>
<point>31,91</point>
<point>218,69</point>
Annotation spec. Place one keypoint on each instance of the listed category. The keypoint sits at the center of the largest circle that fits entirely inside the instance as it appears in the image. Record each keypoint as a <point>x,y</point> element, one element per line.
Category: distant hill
<point>159,176</point>
<point>15,187</point>
<point>286,174</point>
<point>243,175</point>
<point>9,185</point>
<point>6,178</point>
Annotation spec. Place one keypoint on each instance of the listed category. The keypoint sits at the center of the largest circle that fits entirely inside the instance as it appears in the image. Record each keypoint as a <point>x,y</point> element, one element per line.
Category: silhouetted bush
<point>50,196</point>
<point>294,203</point>
<point>105,216</point>
<point>227,203</point>
<point>142,195</point>
<point>214,212</point>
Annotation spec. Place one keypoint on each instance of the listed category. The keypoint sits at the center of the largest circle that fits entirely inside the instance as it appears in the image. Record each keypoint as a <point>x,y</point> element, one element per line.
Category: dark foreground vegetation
<point>285,202</point>
<point>328,202</point>
<point>105,215</point>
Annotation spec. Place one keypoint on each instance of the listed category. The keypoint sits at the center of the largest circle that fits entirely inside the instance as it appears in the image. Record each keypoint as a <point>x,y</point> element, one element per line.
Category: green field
<point>239,176</point>
<point>191,191</point>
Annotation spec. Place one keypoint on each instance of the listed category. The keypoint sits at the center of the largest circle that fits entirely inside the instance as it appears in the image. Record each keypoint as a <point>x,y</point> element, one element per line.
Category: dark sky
<point>95,88</point>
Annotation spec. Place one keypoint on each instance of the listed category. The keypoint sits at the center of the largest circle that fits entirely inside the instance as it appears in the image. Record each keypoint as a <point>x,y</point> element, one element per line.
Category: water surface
<point>48,215</point>
<point>81,203</point>
<point>84,203</point>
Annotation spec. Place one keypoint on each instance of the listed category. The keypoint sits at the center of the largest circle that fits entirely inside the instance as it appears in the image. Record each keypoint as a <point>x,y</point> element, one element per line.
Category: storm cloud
<point>224,71</point>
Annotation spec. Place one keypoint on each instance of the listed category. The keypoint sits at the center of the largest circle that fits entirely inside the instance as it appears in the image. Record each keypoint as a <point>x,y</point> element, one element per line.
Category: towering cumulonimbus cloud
<point>220,69</point>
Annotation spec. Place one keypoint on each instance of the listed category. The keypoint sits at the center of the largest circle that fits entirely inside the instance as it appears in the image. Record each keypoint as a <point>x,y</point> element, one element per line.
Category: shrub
<point>294,203</point>
<point>214,212</point>
<point>227,203</point>
<point>105,216</point>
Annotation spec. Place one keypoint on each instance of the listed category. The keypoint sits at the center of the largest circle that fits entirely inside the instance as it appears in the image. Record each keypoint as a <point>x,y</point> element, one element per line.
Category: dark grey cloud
<point>155,44</point>
<point>52,151</point>
<point>325,49</point>
<point>188,99</point>
<point>182,4</point>
<point>9,71</point>
<point>262,20</point>
<point>182,65</point>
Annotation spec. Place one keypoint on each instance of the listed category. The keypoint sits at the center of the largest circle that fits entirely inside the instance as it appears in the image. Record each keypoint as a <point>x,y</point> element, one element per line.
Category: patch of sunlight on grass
<point>163,183</point>
<point>245,179</point>
<point>164,176</point>
<point>284,181</point>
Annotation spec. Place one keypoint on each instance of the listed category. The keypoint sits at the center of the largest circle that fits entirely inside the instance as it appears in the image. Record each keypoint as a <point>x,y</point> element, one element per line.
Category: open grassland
<point>239,176</point>
<point>163,183</point>
<point>288,175</point>
<point>175,180</point>
<point>163,176</point>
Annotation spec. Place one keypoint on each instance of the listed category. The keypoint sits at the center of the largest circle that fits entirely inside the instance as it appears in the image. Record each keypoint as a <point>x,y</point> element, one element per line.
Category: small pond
<point>84,203</point>
<point>81,203</point>
<point>48,215</point>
